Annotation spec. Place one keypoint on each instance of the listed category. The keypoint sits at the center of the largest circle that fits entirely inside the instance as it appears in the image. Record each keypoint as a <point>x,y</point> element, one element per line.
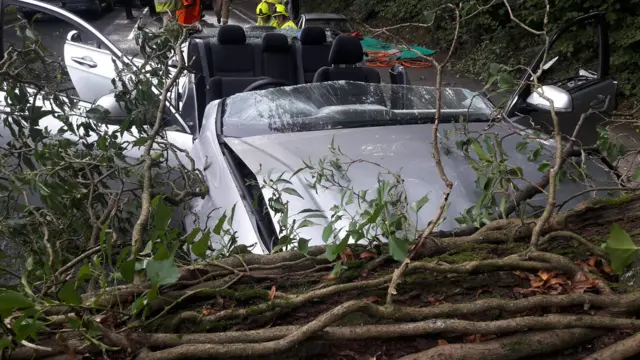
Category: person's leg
<point>225,12</point>
<point>128,8</point>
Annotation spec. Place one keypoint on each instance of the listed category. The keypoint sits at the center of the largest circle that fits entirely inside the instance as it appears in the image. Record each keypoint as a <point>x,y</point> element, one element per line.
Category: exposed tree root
<point>511,347</point>
<point>466,268</point>
<point>387,331</point>
<point>619,351</point>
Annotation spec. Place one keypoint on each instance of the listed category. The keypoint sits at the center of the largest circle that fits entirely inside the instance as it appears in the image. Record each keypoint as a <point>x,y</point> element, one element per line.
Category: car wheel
<point>96,10</point>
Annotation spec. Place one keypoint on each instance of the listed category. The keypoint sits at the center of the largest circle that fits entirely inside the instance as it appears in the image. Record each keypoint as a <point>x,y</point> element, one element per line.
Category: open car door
<point>90,68</point>
<point>575,81</point>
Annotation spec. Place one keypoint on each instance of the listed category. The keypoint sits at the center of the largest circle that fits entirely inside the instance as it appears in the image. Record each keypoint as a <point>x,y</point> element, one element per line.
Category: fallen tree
<point>131,284</point>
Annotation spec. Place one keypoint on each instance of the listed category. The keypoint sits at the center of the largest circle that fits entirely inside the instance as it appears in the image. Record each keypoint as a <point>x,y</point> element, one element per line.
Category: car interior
<point>275,61</point>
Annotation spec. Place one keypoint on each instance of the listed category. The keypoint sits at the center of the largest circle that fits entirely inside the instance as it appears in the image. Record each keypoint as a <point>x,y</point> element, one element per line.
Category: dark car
<point>93,7</point>
<point>336,23</point>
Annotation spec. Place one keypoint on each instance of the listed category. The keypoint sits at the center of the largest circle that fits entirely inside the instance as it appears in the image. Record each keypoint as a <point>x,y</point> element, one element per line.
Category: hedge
<point>490,36</point>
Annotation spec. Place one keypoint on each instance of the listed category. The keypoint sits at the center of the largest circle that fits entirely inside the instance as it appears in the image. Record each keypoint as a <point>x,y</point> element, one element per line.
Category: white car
<point>250,108</point>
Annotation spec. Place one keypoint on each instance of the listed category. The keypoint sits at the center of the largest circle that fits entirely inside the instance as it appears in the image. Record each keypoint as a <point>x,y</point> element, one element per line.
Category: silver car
<point>243,124</point>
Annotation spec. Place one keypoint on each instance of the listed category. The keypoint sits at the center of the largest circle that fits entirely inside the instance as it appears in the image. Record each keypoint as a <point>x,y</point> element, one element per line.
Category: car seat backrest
<point>231,55</point>
<point>345,54</point>
<point>314,50</point>
<point>198,63</point>
<point>278,58</point>
<point>220,87</point>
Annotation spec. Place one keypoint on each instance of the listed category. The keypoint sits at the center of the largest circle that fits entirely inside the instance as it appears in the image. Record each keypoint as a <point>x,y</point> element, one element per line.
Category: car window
<point>340,25</point>
<point>570,59</point>
<point>23,27</point>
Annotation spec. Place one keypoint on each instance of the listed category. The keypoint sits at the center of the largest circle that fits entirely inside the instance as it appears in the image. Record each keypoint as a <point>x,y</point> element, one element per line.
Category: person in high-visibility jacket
<point>190,14</point>
<point>264,14</point>
<point>272,5</point>
<point>282,18</point>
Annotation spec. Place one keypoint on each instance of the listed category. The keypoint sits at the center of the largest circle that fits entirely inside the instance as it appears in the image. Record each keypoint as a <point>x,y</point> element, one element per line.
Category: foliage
<point>488,35</point>
<point>92,201</point>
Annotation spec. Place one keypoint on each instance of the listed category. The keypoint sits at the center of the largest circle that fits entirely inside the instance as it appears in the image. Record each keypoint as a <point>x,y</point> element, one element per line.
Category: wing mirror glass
<point>74,36</point>
<point>539,99</point>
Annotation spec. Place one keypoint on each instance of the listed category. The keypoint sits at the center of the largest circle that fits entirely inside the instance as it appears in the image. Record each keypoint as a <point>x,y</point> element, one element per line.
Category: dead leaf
<point>367,255</point>
<point>329,277</point>
<point>346,255</point>
<point>608,269</point>
<point>442,342</point>
<point>206,311</point>
<point>272,292</point>
<point>435,300</point>
<point>579,287</point>
<point>580,277</point>
<point>544,275</point>
<point>537,282</point>
<point>559,280</point>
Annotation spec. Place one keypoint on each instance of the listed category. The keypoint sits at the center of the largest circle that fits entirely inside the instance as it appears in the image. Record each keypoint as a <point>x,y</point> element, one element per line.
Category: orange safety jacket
<point>190,14</point>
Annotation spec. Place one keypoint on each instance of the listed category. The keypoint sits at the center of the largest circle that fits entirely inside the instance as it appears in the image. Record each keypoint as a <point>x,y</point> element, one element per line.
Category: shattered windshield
<point>345,104</point>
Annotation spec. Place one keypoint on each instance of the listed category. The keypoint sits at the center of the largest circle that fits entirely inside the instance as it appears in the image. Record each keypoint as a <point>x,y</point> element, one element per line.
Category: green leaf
<point>326,233</point>
<point>398,248</point>
<point>306,223</point>
<point>331,252</point>
<point>127,269</point>
<point>217,229</point>
<point>620,248</point>
<point>84,274</point>
<point>416,206</point>
<point>140,141</point>
<point>162,272</point>
<point>200,247</point>
<point>477,148</point>
<point>162,216</point>
<point>522,146</point>
<point>636,174</point>
<point>292,191</point>
<point>303,245</point>
<point>505,81</point>
<point>544,167</point>
<point>69,295</point>
<point>494,68</point>
<point>12,300</point>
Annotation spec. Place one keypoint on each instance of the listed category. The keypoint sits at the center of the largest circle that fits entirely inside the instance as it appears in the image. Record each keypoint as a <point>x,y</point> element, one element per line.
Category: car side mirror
<point>539,99</point>
<point>74,36</point>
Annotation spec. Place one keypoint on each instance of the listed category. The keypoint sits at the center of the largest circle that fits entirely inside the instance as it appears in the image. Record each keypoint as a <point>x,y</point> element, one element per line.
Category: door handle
<point>85,61</point>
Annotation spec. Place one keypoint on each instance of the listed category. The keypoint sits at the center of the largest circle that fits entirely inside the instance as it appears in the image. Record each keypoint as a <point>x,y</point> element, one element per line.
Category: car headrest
<point>276,42</point>
<point>231,35</point>
<point>346,50</point>
<point>313,35</point>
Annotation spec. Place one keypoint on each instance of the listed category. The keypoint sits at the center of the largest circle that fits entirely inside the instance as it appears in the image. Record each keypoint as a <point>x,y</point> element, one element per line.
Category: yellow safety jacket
<point>168,5</point>
<point>266,21</point>
<point>288,25</point>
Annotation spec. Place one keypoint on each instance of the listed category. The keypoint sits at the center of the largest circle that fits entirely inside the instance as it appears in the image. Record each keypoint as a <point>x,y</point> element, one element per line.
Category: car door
<point>90,68</point>
<point>83,55</point>
<point>582,75</point>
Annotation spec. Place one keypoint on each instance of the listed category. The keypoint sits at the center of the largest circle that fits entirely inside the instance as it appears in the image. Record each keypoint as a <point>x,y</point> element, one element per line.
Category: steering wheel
<point>266,84</point>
